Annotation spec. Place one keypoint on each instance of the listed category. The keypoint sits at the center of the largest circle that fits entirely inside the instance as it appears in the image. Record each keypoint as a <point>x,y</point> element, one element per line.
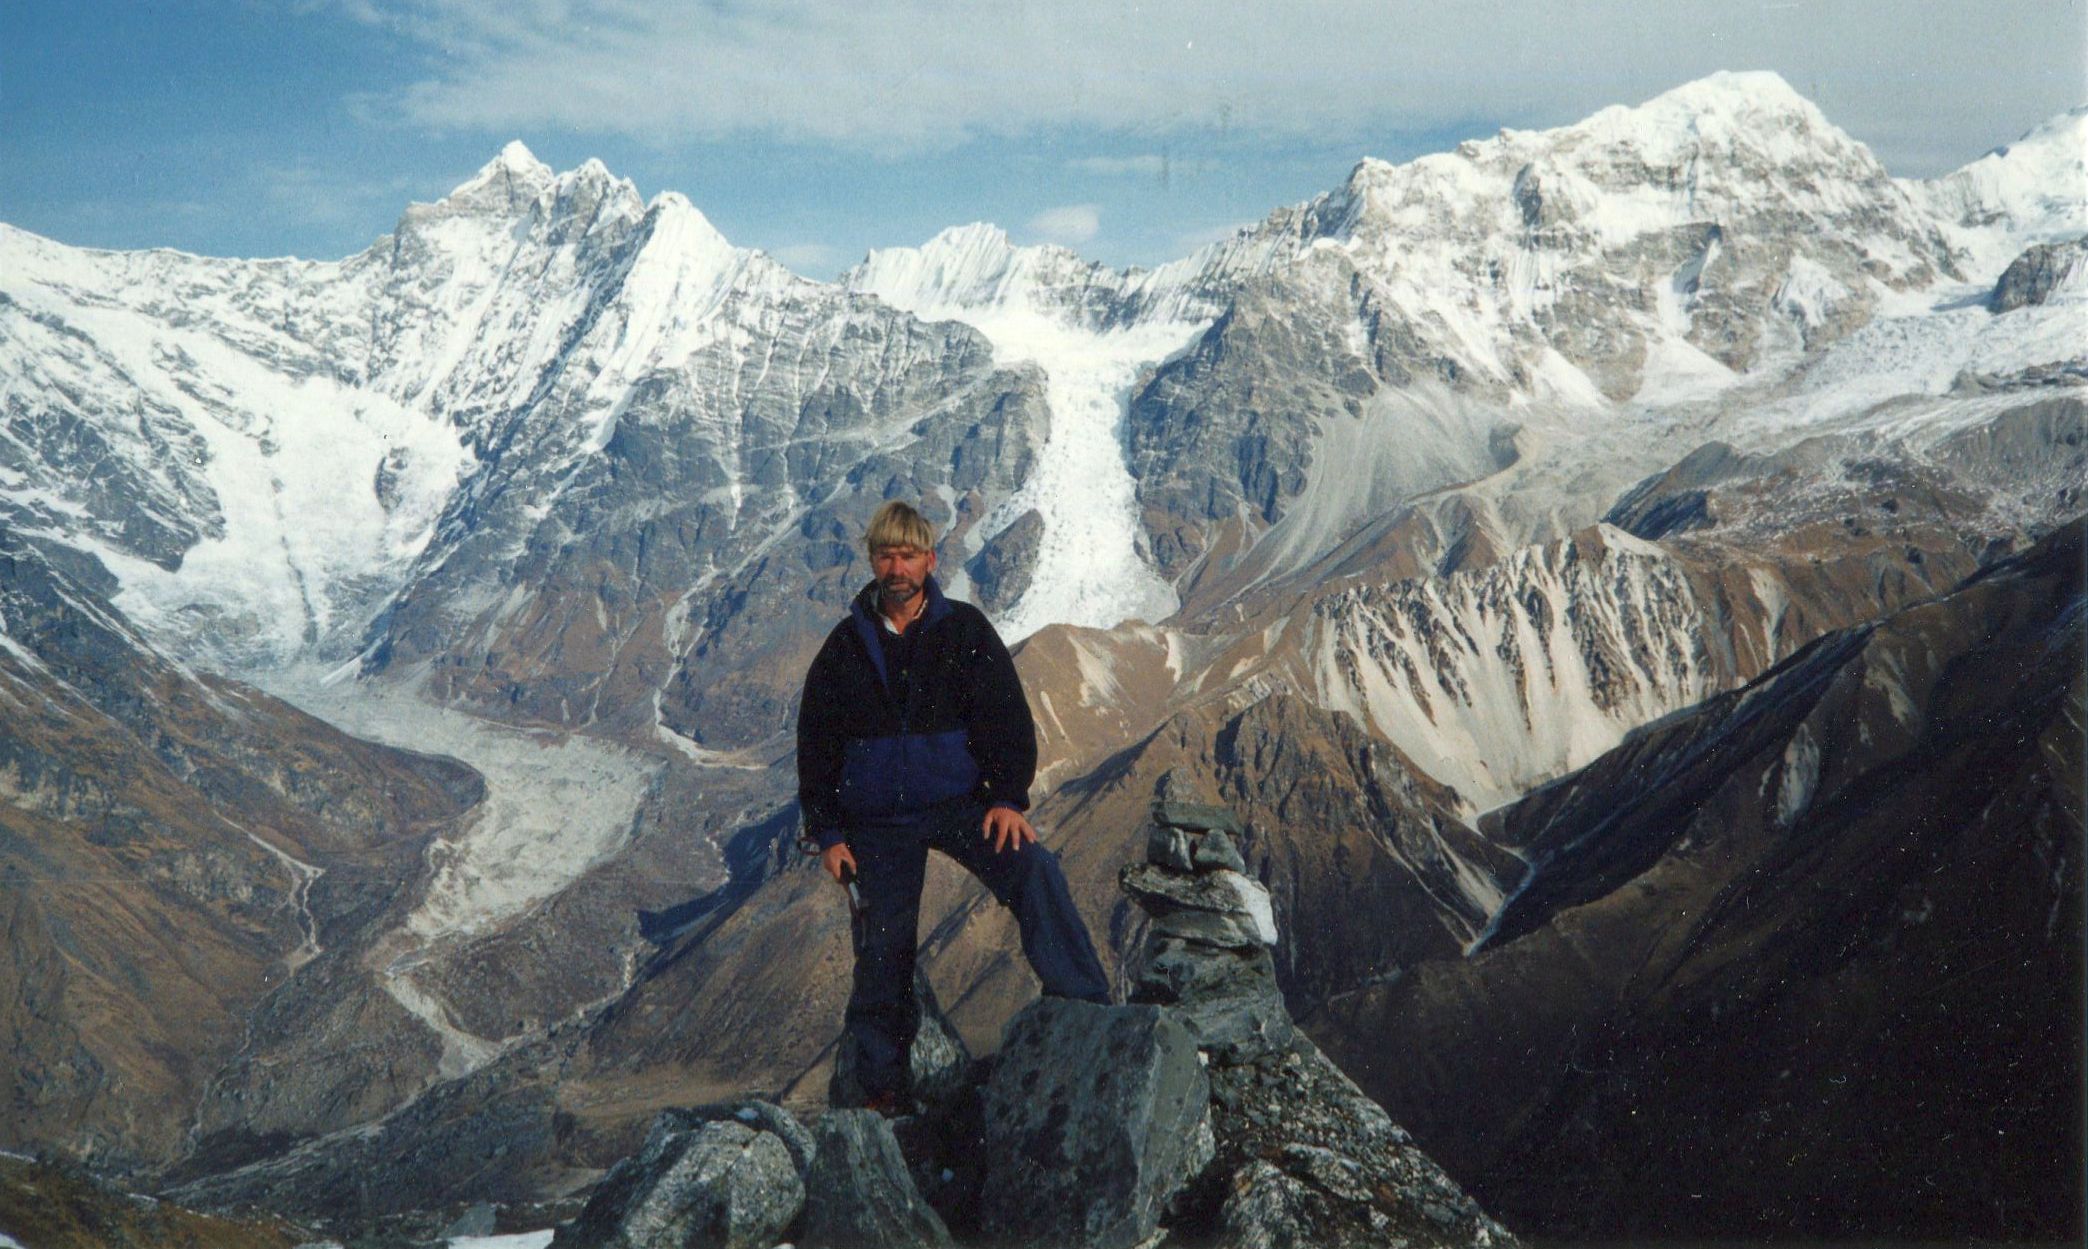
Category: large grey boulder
<point>753,1112</point>
<point>939,1059</point>
<point>859,1194</point>
<point>1093,1118</point>
<point>723,1186</point>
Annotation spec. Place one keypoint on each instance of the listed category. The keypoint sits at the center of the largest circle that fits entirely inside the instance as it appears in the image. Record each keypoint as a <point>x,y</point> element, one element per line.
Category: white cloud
<point>1069,225</point>
<point>1934,81</point>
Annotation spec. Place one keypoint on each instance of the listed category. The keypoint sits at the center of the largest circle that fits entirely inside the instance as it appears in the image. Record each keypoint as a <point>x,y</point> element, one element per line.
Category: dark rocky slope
<point>60,1205</point>
<point>1335,825</point>
<point>1803,962</point>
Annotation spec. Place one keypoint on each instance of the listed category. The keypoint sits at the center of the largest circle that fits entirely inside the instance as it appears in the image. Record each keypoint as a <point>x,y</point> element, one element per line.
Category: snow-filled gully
<point>1088,570</point>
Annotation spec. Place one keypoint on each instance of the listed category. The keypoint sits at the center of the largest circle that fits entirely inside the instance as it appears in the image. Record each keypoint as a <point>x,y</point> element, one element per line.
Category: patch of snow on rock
<point>1801,774</point>
<point>1254,899</point>
<point>517,1240</point>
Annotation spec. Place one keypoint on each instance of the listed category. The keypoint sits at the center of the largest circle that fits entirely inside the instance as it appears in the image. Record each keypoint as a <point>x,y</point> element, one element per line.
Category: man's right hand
<point>834,857</point>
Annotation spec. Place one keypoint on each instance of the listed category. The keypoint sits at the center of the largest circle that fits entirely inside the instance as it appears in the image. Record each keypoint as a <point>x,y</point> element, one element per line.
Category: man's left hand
<point>1006,829</point>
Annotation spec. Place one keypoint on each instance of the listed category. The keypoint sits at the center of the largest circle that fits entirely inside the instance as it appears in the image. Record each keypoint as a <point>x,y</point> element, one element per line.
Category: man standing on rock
<point>913,733</point>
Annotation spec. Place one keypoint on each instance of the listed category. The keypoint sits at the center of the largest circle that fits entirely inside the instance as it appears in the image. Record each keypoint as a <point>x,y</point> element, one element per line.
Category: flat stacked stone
<point>1209,933</point>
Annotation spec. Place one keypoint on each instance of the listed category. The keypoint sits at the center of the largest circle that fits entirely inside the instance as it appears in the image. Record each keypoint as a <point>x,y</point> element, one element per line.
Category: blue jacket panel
<point>887,777</point>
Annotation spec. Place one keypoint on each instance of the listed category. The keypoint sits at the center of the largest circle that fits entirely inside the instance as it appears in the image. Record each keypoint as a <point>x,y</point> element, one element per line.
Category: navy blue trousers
<point>891,861</point>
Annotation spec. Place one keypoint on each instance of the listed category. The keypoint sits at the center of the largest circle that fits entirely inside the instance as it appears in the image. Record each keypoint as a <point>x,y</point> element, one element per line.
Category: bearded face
<point>902,575</point>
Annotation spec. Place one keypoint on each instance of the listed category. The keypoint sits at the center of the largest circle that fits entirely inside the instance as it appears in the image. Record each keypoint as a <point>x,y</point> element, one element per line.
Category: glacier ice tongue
<point>1040,306</point>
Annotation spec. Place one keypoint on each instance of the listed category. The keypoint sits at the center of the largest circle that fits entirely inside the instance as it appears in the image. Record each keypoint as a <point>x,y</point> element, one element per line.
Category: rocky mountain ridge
<point>437,340</point>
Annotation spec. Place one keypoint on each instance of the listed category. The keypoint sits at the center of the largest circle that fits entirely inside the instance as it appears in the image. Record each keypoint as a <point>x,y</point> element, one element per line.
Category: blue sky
<point>817,130</point>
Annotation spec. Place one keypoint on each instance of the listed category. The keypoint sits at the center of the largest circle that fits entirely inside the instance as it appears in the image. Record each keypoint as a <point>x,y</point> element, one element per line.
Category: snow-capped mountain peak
<point>673,210</point>
<point>514,187</point>
<point>592,184</point>
<point>1723,144</point>
<point>2036,187</point>
<point>970,266</point>
<point>517,159</point>
<point>1756,99</point>
<point>1626,256</point>
<point>511,182</point>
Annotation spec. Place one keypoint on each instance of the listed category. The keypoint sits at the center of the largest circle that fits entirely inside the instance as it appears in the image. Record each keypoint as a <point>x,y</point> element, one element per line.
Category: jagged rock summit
<point>1197,1114</point>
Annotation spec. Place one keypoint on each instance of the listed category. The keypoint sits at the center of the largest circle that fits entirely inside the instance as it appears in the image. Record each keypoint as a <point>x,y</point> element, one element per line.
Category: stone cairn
<point>1197,1114</point>
<point>1209,930</point>
<point>1301,1156</point>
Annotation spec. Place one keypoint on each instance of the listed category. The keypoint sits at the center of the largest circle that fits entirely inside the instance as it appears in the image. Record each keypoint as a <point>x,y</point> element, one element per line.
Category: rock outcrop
<point>726,1184</point>
<point>1300,1156</point>
<point>2039,273</point>
<point>1095,1116</point>
<point>1197,1114</point>
<point>858,1192</point>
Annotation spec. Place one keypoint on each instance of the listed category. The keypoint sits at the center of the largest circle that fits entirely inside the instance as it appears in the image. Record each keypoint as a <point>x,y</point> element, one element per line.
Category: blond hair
<point>898,524</point>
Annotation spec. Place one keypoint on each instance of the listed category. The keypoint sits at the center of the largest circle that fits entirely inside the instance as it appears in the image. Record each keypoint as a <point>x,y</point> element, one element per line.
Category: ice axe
<point>855,903</point>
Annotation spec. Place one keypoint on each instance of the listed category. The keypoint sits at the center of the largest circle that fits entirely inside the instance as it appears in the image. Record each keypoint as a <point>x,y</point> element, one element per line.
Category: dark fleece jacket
<point>962,730</point>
